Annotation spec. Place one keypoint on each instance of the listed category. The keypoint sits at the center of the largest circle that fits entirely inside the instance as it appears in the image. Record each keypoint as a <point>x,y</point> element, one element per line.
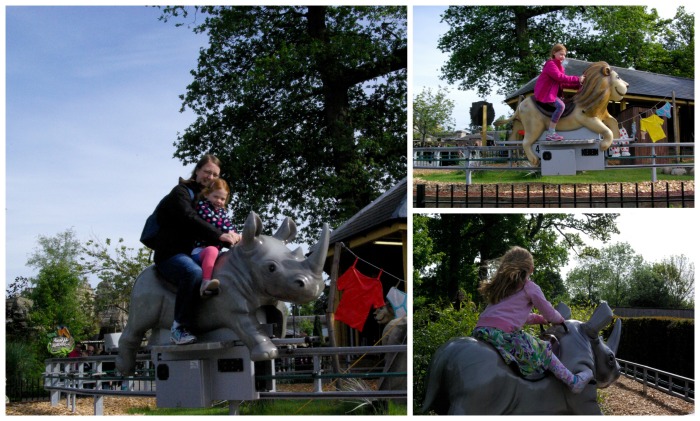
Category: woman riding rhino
<point>179,228</point>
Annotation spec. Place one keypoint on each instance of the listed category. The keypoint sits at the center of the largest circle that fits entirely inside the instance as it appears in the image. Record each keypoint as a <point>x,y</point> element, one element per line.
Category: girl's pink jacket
<point>551,80</point>
<point>511,313</point>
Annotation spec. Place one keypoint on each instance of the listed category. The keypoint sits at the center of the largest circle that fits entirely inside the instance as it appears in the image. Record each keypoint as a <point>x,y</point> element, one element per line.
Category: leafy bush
<point>432,327</point>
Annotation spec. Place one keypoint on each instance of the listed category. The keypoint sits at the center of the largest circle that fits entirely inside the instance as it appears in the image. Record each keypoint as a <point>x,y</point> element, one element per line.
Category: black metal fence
<point>26,390</point>
<point>622,195</point>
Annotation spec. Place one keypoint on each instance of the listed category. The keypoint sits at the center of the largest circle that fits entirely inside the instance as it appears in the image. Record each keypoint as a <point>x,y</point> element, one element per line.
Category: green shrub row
<point>663,343</point>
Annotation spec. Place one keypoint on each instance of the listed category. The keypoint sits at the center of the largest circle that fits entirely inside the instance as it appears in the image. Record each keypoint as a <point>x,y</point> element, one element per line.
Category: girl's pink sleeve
<point>551,70</point>
<point>575,85</point>
<point>537,297</point>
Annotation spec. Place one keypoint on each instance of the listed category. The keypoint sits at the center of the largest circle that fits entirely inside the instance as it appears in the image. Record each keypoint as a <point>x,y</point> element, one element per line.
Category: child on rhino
<point>212,208</point>
<point>511,295</point>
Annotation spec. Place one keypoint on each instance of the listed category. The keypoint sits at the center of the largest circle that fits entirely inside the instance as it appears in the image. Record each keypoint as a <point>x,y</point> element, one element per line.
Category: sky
<point>92,112</point>
<point>654,234</point>
<point>428,59</point>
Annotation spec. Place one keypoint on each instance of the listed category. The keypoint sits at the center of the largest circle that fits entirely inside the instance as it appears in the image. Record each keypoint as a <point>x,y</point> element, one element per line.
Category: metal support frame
<point>70,377</point>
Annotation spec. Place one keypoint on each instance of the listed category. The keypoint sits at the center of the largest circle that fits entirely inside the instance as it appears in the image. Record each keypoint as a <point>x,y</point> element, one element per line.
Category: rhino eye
<point>272,268</point>
<point>611,360</point>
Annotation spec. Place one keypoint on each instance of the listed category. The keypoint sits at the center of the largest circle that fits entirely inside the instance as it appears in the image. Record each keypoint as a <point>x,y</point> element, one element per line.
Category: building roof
<point>641,83</point>
<point>385,209</point>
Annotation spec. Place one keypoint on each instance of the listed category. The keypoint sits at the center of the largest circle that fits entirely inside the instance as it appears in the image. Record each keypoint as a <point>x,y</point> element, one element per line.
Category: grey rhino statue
<point>467,376</point>
<point>257,273</point>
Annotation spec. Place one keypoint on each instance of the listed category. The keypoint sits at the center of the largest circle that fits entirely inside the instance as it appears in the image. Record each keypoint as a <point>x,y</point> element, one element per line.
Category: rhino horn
<point>601,317</point>
<point>251,229</point>
<point>317,259</point>
<point>287,232</point>
<point>614,339</point>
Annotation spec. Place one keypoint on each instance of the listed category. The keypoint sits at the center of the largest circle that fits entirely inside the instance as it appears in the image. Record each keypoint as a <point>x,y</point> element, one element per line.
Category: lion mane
<point>594,96</point>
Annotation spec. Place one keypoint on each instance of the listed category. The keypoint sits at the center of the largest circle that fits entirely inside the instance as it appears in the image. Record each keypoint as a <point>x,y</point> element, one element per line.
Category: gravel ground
<point>625,397</point>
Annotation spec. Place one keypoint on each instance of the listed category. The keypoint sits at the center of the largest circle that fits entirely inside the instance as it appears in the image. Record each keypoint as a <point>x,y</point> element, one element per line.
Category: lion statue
<point>588,108</point>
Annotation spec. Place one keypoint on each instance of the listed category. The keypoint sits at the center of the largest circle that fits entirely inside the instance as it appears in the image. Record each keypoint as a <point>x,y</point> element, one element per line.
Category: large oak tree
<point>306,106</point>
<point>504,47</point>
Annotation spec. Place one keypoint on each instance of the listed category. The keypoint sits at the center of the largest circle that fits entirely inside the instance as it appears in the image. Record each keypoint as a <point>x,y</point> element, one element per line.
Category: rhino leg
<point>263,351</point>
<point>149,305</point>
<point>128,345</point>
<point>250,331</point>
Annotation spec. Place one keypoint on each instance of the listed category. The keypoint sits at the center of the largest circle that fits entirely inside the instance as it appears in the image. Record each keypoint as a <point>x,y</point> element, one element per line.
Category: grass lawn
<point>636,175</point>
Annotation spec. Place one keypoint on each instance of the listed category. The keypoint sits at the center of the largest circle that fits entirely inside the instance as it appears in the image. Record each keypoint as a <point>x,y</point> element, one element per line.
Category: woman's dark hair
<point>204,160</point>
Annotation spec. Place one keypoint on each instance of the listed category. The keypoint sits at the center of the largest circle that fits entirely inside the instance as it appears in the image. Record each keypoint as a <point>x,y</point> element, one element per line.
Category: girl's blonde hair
<point>510,277</point>
<point>556,48</point>
<point>217,184</point>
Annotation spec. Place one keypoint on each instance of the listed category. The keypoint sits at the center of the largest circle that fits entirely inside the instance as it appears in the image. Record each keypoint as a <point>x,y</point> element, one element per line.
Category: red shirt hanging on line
<point>360,293</point>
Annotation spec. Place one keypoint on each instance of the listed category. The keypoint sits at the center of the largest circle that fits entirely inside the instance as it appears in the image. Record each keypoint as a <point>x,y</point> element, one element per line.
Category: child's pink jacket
<point>513,312</point>
<point>551,79</point>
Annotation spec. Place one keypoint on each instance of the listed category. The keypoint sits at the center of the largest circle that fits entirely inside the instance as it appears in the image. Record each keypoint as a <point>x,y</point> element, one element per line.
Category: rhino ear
<point>287,232</point>
<point>298,253</point>
<point>601,317</point>
<point>251,229</point>
<point>564,310</point>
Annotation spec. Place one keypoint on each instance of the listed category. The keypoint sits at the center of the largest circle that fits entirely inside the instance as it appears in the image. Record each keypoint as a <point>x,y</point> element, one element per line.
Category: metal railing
<point>672,384</point>
<point>91,376</point>
<point>87,376</point>
<point>509,155</point>
<point>318,374</point>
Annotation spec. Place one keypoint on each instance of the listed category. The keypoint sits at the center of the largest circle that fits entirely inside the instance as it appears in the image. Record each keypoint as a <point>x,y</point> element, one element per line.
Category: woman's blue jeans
<point>182,271</point>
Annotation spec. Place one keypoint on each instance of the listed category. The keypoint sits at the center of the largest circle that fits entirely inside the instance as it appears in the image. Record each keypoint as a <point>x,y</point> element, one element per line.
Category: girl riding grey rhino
<point>511,295</point>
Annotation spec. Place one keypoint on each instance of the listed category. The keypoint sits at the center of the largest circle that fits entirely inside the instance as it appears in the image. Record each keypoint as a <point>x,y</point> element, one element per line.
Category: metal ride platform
<point>579,151</point>
<point>196,375</point>
<point>566,157</point>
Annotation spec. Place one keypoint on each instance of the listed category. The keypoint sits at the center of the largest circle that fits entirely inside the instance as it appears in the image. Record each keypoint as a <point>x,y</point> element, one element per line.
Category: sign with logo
<point>61,342</point>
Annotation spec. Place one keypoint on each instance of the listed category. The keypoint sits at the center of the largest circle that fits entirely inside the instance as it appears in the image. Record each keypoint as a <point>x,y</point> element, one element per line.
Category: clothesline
<point>374,266</point>
<point>643,113</point>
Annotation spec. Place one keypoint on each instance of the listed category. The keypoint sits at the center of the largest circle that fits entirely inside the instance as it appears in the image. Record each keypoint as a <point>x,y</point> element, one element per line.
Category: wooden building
<point>376,238</point>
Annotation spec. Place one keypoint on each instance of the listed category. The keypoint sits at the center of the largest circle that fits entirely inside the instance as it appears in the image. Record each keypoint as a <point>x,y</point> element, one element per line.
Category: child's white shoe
<point>209,287</point>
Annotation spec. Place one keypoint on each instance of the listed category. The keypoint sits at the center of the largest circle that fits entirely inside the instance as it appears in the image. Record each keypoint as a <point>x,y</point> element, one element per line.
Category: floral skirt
<point>531,354</point>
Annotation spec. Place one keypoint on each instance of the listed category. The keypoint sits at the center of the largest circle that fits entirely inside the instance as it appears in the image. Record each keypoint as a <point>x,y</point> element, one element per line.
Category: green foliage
<point>306,107</point>
<point>60,298</point>
<point>678,275</point>
<point>432,113</point>
<point>425,256</point>
<point>664,343</point>
<point>21,361</point>
<point>433,325</point>
<point>505,46</point>
<point>457,251</point>
<point>18,288</point>
<point>648,288</point>
<point>60,292</point>
<point>117,270</point>
<point>622,278</point>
